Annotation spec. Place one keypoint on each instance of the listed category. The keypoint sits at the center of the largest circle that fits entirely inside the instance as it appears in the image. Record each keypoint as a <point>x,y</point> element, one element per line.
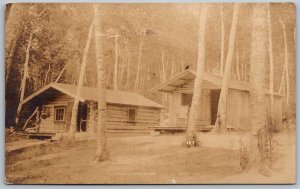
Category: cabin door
<point>82,117</point>
<point>214,100</point>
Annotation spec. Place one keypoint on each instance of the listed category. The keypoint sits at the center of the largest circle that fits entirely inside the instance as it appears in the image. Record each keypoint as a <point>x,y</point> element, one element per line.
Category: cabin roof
<point>90,94</point>
<point>210,81</point>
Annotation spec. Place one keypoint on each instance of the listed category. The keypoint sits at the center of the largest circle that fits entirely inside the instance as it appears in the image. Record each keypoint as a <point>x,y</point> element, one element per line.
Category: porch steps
<point>37,134</point>
<point>147,131</point>
<point>181,129</point>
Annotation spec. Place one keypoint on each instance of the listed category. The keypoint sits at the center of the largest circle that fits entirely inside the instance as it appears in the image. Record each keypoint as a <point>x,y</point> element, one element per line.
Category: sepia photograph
<point>150,93</point>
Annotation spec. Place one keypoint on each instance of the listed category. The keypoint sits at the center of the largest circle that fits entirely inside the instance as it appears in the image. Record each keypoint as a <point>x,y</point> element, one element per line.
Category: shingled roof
<point>90,94</point>
<point>210,81</point>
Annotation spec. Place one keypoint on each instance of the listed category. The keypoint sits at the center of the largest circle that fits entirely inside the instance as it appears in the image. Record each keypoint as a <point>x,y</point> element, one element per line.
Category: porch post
<point>91,118</point>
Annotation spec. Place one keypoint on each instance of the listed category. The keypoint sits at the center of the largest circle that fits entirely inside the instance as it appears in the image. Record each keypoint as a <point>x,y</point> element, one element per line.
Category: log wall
<point>49,124</point>
<point>117,115</point>
<point>118,118</point>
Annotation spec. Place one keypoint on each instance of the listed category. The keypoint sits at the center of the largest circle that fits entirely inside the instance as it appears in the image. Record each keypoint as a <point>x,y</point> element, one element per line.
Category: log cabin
<point>180,90</point>
<point>126,111</point>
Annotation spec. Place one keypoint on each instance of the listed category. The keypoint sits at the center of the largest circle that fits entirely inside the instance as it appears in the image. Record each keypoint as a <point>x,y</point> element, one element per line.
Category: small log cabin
<point>180,90</point>
<point>125,110</point>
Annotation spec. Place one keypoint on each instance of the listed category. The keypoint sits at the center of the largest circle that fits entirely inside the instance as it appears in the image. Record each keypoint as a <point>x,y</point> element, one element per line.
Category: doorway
<point>82,117</point>
<point>214,100</point>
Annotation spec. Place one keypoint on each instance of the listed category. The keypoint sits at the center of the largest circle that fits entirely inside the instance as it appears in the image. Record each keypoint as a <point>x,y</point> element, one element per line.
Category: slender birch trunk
<point>80,83</point>
<point>243,68</point>
<point>128,72</point>
<point>46,76</point>
<point>60,74</point>
<point>286,68</point>
<point>238,67</point>
<point>123,64</point>
<point>148,85</point>
<point>220,124</point>
<point>172,67</point>
<point>136,84</point>
<point>191,137</point>
<point>9,59</point>
<point>163,73</point>
<point>101,152</point>
<point>116,64</point>
<point>222,41</point>
<point>271,66</point>
<point>25,75</point>
<point>282,80</point>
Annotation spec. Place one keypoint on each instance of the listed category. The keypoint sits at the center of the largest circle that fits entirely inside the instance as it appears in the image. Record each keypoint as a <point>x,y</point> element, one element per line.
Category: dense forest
<point>149,44</point>
<point>135,47</point>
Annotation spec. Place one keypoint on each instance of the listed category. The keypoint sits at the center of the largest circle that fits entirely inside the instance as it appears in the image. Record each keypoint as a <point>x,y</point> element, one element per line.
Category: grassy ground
<point>144,159</point>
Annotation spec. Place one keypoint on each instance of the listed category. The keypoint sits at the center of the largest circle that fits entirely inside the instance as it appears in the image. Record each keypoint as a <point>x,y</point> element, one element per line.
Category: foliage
<point>60,31</point>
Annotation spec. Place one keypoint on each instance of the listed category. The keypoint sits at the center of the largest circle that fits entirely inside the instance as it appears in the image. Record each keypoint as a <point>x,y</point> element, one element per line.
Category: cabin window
<point>186,99</point>
<point>45,112</point>
<point>59,113</point>
<point>131,114</point>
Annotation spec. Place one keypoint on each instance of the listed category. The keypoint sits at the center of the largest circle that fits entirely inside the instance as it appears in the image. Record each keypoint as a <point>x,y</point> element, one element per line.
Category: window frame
<point>64,113</point>
<point>183,95</point>
<point>46,109</point>
<point>128,115</point>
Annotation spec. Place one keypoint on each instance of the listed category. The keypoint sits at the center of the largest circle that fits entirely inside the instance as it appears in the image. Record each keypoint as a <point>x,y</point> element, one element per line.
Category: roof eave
<point>51,85</point>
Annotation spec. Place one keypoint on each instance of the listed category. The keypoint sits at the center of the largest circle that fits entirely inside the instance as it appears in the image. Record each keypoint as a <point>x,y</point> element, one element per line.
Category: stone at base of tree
<point>191,140</point>
<point>191,144</point>
<point>101,157</point>
<point>244,156</point>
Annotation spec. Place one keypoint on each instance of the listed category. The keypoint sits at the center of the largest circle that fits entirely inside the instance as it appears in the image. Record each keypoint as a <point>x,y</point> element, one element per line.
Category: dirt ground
<point>142,159</point>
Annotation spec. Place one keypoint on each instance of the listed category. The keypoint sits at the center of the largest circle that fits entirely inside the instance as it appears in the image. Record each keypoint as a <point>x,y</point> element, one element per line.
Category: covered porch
<point>180,91</point>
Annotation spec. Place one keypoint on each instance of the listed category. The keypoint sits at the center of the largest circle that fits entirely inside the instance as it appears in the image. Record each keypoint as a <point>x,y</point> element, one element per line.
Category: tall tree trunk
<point>191,138</point>
<point>11,38</point>
<point>60,74</point>
<point>128,73</point>
<point>80,83</point>
<point>238,67</point>
<point>163,72</point>
<point>164,66</point>
<point>25,75</point>
<point>286,68</point>
<point>243,68</point>
<point>46,76</point>
<point>260,140</point>
<point>136,84</point>
<point>271,79</point>
<point>148,84</point>
<point>101,152</point>
<point>172,67</point>
<point>220,124</point>
<point>282,80</point>
<point>9,58</point>
<point>222,41</point>
<point>116,64</point>
<point>123,65</point>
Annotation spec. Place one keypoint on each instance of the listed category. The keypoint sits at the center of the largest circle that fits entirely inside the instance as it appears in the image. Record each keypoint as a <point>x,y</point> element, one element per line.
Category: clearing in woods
<point>143,159</point>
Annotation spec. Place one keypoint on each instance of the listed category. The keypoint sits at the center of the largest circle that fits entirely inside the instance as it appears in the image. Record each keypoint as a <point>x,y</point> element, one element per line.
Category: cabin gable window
<point>45,112</point>
<point>186,99</point>
<point>59,113</point>
<point>131,114</point>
